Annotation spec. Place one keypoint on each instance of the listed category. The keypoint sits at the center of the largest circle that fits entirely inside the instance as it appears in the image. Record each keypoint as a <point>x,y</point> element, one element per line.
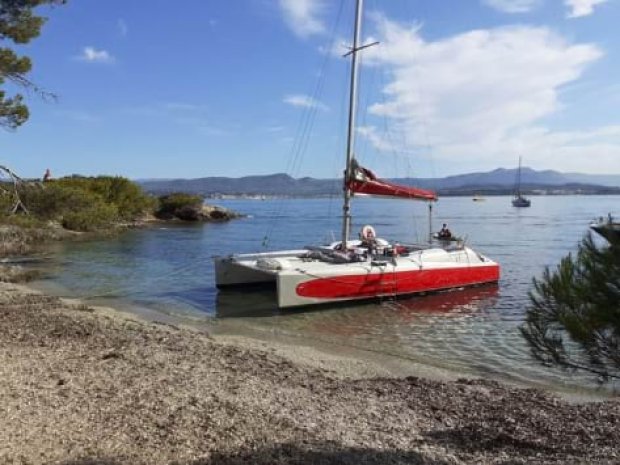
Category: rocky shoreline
<point>82,385</point>
<point>19,241</point>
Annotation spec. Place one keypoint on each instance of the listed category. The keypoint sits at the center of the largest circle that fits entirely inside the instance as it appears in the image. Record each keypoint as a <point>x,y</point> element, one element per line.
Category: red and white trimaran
<point>367,268</point>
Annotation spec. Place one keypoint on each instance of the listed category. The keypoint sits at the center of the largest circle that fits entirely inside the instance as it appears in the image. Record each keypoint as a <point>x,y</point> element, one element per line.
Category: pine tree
<point>19,24</point>
<point>574,317</point>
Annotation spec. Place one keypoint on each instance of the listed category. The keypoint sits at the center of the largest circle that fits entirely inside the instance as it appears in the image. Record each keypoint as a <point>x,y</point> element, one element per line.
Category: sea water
<point>168,270</point>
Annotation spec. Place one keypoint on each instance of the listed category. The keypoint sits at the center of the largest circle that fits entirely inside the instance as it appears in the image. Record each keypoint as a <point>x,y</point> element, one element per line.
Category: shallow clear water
<point>474,331</point>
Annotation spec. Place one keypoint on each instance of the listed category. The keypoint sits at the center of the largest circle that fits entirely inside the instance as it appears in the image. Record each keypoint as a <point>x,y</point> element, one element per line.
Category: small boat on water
<point>519,200</point>
<point>478,198</point>
<point>365,268</point>
<point>608,227</point>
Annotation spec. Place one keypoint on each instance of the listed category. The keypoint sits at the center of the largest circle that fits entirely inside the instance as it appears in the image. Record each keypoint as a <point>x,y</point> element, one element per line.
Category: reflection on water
<point>472,331</point>
<point>459,301</point>
<point>263,303</point>
<point>246,303</point>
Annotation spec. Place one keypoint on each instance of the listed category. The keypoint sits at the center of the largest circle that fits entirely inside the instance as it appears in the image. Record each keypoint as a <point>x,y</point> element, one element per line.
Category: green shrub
<point>23,221</point>
<point>170,205</point>
<point>54,200</point>
<point>574,317</point>
<point>89,203</point>
<point>92,218</point>
<point>6,203</point>
<point>86,204</point>
<point>129,198</point>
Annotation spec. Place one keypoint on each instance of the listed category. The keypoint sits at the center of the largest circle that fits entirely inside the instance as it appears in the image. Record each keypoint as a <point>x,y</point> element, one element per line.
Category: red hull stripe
<point>404,282</point>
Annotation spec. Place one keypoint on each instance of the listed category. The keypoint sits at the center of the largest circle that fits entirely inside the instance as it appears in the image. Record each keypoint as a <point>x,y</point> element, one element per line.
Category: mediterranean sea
<point>168,270</point>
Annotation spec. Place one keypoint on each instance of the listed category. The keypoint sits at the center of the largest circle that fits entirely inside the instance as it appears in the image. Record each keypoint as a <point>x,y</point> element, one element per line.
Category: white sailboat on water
<point>519,200</point>
<point>365,268</point>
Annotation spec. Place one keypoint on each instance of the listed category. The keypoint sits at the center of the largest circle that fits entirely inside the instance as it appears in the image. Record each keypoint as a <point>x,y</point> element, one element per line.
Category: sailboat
<point>365,268</point>
<point>519,200</point>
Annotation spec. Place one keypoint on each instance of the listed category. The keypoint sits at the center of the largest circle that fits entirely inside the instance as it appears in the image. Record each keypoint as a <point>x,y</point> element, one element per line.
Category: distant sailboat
<point>519,200</point>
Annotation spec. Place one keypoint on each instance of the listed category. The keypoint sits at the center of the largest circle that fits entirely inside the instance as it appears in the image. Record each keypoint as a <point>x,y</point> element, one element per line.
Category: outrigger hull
<point>300,281</point>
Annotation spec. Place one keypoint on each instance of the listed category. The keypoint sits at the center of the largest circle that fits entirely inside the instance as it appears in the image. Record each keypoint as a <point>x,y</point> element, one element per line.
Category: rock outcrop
<point>200,213</point>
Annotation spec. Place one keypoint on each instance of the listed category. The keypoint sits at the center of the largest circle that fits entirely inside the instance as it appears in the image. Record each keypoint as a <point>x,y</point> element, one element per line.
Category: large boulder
<point>188,207</point>
<point>200,213</point>
<point>215,213</point>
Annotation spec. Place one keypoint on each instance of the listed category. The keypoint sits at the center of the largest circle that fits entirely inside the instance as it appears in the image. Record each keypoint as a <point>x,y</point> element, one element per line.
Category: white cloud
<point>580,8</point>
<point>92,55</point>
<point>593,150</point>
<point>513,6</point>
<point>122,27</point>
<point>303,16</point>
<point>480,96</point>
<point>304,101</point>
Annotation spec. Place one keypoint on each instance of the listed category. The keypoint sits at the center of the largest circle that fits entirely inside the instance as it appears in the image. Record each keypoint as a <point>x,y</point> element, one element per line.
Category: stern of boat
<point>230,272</point>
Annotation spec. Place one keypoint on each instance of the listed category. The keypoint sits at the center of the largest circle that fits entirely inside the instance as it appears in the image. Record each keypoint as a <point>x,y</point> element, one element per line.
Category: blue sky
<point>197,88</point>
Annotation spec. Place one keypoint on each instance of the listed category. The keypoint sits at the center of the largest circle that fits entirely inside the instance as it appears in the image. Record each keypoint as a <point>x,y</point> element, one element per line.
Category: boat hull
<point>302,283</point>
<point>521,202</point>
<point>610,231</point>
<point>393,282</point>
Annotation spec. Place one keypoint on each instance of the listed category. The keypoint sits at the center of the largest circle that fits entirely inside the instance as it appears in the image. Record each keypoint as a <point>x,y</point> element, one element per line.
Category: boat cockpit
<point>369,247</point>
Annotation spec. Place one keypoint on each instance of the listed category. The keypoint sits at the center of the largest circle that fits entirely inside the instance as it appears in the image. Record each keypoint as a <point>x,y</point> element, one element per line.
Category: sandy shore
<point>80,385</point>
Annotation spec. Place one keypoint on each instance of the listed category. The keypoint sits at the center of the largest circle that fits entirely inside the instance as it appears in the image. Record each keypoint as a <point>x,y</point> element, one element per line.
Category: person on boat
<point>445,233</point>
<point>369,238</point>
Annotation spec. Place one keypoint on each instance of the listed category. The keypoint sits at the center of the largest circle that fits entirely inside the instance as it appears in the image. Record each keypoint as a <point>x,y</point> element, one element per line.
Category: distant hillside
<point>496,182</point>
<point>272,185</point>
<point>506,178</point>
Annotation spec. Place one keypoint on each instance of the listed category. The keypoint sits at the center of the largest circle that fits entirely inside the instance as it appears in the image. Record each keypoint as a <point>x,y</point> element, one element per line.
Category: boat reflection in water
<point>263,303</point>
<point>246,303</point>
<point>391,321</point>
<point>465,301</point>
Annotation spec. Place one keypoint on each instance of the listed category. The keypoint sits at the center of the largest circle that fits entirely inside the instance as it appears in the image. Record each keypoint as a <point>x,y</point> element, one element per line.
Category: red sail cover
<point>364,181</point>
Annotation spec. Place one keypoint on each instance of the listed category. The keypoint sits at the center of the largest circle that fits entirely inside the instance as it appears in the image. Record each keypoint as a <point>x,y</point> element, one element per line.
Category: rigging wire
<point>397,140</point>
<point>305,126</point>
<point>336,168</point>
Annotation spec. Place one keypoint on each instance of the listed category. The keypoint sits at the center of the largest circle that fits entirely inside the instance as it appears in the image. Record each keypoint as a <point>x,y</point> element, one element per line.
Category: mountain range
<point>497,182</point>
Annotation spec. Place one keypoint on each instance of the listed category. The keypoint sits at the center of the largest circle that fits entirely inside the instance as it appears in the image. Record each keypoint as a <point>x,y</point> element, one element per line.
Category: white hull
<point>301,281</point>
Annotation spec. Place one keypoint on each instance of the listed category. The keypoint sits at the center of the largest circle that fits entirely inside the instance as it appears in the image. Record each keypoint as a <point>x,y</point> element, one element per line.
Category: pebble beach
<point>86,385</point>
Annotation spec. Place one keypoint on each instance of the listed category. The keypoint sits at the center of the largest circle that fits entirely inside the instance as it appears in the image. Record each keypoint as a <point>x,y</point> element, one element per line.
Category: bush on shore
<point>97,203</point>
<point>573,321</point>
<point>178,205</point>
<point>82,203</point>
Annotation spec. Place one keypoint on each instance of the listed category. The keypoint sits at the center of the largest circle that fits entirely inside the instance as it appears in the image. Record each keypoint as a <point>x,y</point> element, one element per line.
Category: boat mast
<point>519,179</point>
<point>346,208</point>
<point>430,223</point>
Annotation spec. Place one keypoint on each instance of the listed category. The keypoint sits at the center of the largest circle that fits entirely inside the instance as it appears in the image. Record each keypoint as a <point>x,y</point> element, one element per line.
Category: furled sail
<point>363,181</point>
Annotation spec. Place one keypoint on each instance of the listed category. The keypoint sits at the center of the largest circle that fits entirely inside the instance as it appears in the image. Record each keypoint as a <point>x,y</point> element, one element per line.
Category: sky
<point>198,88</point>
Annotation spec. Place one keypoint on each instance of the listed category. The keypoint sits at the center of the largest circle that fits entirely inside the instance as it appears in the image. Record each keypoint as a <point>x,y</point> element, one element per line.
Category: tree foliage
<point>87,204</point>
<point>574,317</point>
<point>18,24</point>
<point>172,205</point>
